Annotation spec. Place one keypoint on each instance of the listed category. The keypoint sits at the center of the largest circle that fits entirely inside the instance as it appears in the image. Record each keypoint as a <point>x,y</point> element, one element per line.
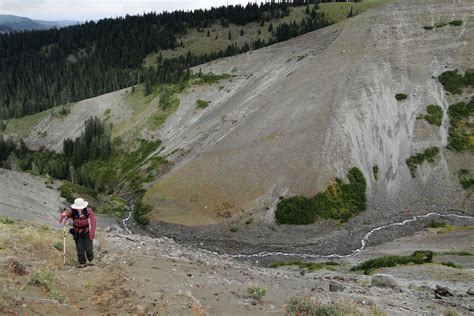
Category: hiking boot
<point>80,265</point>
<point>91,263</point>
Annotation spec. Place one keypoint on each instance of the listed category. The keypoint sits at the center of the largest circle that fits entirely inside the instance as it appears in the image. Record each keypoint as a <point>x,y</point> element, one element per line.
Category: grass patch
<point>466,179</point>
<point>375,171</point>
<point>340,201</point>
<point>310,266</point>
<point>434,114</point>
<point>401,96</point>
<point>256,292</point>
<point>234,229</point>
<point>303,304</point>
<point>7,221</point>
<point>455,253</point>
<point>340,11</point>
<point>158,120</point>
<point>430,154</point>
<point>441,24</point>
<point>46,280</point>
<point>456,23</point>
<point>201,104</point>
<point>460,137</point>
<point>454,82</point>
<point>452,228</point>
<point>418,257</point>
<point>452,265</point>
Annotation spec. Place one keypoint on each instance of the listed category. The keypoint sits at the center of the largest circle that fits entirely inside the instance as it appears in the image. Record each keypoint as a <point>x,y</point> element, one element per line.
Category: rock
<point>470,292</point>
<point>335,287</point>
<point>16,267</point>
<point>442,291</point>
<point>254,302</point>
<point>384,280</point>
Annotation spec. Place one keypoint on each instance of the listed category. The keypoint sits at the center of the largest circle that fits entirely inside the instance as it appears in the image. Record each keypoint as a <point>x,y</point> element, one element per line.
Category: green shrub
<point>466,179</point>
<point>441,24</point>
<point>256,292</point>
<point>436,224</point>
<point>201,104</point>
<point>401,96</point>
<point>434,114</point>
<point>302,304</point>
<point>234,229</point>
<point>310,266</point>
<point>418,257</point>
<point>455,82</point>
<point>46,280</point>
<point>6,220</point>
<point>459,136</point>
<point>456,22</point>
<point>430,154</point>
<point>340,201</point>
<point>375,170</point>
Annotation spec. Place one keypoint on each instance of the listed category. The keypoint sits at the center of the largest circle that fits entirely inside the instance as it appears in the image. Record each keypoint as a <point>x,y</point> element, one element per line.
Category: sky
<point>82,10</point>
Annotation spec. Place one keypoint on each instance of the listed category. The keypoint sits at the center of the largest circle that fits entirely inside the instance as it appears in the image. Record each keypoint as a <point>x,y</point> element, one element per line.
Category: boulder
<point>336,287</point>
<point>384,280</point>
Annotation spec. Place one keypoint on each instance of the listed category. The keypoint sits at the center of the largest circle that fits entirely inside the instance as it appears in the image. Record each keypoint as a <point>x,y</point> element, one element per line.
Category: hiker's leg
<point>80,250</point>
<point>89,247</point>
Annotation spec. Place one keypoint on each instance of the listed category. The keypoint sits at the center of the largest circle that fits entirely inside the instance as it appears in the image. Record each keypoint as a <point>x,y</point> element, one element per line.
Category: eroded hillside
<point>288,119</point>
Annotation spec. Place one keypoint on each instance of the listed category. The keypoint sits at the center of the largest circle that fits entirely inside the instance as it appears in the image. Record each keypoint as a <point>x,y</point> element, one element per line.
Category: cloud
<point>96,9</point>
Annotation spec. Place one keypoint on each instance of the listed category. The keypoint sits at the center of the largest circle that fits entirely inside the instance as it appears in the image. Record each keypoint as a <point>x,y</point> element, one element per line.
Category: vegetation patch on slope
<point>418,257</point>
<point>434,114</point>
<point>430,154</point>
<point>466,178</point>
<point>401,96</point>
<point>460,137</point>
<point>340,201</point>
<point>454,82</point>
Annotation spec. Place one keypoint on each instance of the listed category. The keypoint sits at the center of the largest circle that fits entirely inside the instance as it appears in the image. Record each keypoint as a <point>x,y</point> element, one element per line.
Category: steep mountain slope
<point>293,116</point>
<point>304,111</point>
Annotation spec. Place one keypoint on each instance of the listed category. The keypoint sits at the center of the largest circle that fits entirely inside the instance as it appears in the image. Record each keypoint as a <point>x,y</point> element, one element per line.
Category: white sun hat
<point>79,204</point>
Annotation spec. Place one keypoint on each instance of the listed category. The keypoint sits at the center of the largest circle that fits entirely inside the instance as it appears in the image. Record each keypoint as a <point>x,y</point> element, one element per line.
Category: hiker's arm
<point>65,215</point>
<point>92,224</point>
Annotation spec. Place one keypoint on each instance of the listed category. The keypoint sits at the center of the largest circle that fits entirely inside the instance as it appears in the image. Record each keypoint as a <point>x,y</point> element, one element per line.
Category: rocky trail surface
<point>137,274</point>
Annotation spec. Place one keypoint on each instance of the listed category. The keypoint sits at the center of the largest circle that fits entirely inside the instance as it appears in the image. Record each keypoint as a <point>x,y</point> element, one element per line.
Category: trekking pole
<point>64,243</point>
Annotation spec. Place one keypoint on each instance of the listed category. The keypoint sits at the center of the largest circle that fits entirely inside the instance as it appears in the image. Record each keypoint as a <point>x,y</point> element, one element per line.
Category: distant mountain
<point>11,23</point>
<point>5,29</point>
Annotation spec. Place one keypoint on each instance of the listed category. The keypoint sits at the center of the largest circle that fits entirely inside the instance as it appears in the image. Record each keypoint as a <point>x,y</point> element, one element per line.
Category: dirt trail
<point>143,275</point>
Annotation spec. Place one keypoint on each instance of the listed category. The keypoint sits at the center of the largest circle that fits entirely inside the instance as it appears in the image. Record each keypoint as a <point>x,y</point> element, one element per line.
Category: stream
<point>363,242</point>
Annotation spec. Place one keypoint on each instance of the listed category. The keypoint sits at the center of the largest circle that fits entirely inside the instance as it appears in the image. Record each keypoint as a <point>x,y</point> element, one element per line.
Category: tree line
<point>43,69</point>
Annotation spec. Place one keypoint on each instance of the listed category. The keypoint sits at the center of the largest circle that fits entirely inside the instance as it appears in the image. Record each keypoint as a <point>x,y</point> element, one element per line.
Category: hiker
<point>83,230</point>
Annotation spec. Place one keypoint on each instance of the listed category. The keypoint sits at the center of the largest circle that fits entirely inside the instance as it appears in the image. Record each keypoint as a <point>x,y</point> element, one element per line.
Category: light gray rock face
<point>285,126</point>
<point>25,197</point>
<point>384,280</point>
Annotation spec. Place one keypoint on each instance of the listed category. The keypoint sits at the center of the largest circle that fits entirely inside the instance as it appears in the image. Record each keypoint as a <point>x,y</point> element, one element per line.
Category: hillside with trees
<point>43,69</point>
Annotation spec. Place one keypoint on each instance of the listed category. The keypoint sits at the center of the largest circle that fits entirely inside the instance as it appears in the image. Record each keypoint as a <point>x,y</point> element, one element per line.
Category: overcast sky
<point>95,9</point>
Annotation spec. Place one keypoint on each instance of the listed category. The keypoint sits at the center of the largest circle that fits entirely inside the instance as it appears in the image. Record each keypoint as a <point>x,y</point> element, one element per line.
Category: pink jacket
<point>77,222</point>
